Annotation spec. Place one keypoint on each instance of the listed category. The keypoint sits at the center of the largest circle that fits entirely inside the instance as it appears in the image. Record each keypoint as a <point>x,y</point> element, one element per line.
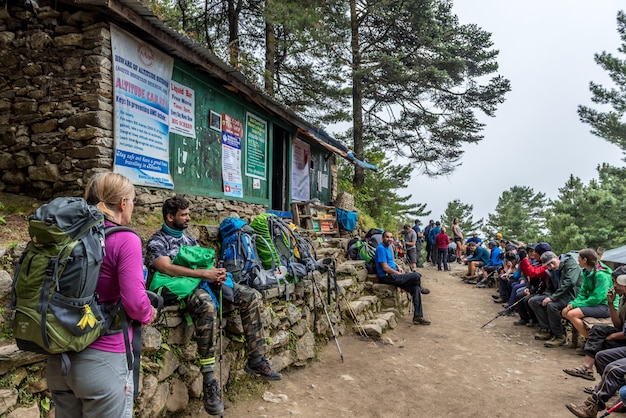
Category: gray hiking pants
<point>98,385</point>
<point>611,364</point>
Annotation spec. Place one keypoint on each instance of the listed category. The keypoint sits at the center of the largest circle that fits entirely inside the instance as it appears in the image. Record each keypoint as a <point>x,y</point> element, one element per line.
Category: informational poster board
<point>300,177</point>
<point>182,113</point>
<point>141,92</point>
<point>256,147</point>
<point>232,131</point>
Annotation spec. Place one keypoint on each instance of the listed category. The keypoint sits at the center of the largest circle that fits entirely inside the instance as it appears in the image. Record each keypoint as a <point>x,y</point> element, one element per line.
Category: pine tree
<point>609,124</point>
<point>463,211</point>
<point>520,215</point>
<point>418,79</point>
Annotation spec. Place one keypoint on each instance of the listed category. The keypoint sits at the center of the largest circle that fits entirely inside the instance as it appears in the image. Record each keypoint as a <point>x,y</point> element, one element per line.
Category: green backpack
<point>194,257</point>
<point>54,306</point>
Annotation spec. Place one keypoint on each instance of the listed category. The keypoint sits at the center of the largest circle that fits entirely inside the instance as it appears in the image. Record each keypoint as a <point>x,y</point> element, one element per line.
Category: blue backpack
<point>240,257</point>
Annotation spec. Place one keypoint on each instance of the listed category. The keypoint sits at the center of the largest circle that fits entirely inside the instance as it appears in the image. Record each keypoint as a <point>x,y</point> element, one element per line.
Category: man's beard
<point>179,226</point>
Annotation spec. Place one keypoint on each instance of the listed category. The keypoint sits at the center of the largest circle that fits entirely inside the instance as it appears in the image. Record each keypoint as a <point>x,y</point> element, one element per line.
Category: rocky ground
<point>452,368</point>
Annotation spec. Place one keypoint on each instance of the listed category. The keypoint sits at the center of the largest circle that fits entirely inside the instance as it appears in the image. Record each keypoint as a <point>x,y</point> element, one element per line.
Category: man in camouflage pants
<point>162,247</point>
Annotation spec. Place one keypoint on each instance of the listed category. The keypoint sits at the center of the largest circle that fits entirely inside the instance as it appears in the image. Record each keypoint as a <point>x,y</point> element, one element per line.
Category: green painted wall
<point>196,164</point>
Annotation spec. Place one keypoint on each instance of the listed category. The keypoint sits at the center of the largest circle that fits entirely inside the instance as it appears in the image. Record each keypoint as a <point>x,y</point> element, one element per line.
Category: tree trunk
<point>357,97</point>
<point>270,58</point>
<point>233,33</point>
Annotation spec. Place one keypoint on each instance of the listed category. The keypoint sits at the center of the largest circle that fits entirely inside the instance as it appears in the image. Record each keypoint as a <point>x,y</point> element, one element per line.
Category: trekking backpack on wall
<point>239,254</point>
<point>282,241</point>
<point>54,305</point>
<point>266,250</point>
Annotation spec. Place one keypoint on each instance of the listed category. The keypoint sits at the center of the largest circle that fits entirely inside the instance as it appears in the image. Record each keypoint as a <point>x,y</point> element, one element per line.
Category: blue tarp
<point>347,220</point>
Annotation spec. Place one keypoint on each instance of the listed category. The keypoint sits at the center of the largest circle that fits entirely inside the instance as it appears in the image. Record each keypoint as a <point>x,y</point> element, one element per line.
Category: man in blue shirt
<point>432,234</point>
<point>479,258</point>
<point>389,273</point>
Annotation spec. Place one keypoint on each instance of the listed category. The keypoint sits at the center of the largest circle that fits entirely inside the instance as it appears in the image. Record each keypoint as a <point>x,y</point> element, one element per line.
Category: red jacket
<point>442,240</point>
<point>533,272</point>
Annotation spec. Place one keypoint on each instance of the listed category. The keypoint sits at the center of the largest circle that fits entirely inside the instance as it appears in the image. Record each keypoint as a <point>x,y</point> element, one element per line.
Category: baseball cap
<point>620,275</point>
<point>510,247</point>
<point>417,221</point>
<point>492,244</point>
<point>498,236</point>
<point>547,257</point>
<point>542,247</point>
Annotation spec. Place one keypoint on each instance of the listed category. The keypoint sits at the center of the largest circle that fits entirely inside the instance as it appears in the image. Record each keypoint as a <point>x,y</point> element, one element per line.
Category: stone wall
<point>171,383</point>
<point>55,99</point>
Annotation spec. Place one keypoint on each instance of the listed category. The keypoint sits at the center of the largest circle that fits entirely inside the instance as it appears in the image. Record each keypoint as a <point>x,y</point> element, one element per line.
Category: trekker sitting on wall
<point>611,364</point>
<point>592,298</point>
<point>389,273</point>
<point>162,248</point>
<point>537,278</point>
<point>495,260</point>
<point>563,285</point>
<point>479,257</point>
<point>603,336</point>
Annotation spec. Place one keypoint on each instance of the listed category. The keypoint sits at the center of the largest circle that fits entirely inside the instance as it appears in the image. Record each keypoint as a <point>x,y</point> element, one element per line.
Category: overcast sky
<point>535,139</point>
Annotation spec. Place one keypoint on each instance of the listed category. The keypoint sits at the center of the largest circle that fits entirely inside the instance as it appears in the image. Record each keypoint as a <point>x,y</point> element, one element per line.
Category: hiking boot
<point>587,409</point>
<point>212,396</point>
<point>499,300</point>
<point>532,324</point>
<point>556,341</point>
<point>420,320</point>
<point>424,290</point>
<point>543,335</point>
<point>496,296</point>
<point>264,369</point>
<point>520,322</point>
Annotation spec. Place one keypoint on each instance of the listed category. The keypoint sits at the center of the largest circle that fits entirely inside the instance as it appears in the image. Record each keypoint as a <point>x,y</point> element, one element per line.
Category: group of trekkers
<point>549,292</point>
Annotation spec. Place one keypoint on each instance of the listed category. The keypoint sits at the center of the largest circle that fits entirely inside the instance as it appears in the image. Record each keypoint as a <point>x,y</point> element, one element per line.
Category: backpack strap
<point>133,351</point>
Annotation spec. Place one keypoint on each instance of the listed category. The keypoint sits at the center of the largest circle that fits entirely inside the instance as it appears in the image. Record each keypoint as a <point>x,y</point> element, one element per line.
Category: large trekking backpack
<point>287,246</point>
<point>55,308</point>
<point>239,254</point>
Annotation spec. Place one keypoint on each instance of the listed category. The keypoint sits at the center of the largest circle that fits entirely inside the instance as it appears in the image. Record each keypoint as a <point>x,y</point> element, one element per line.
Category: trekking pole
<point>330,324</point>
<point>220,264</point>
<point>504,312</point>
<point>354,316</point>
<point>612,409</point>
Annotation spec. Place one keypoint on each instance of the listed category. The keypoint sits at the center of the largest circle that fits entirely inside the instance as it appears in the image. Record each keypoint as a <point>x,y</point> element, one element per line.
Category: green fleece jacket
<point>595,286</point>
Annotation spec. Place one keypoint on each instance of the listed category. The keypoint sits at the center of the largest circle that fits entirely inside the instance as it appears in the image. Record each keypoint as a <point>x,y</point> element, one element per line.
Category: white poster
<point>141,90</point>
<point>182,114</point>
<point>300,162</point>
<point>232,131</point>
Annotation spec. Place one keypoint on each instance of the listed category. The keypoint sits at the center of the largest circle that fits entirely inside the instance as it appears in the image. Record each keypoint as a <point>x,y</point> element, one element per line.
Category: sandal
<point>581,371</point>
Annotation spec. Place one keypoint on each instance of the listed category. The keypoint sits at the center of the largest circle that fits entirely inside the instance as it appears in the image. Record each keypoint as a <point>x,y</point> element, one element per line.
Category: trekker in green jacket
<point>591,300</point>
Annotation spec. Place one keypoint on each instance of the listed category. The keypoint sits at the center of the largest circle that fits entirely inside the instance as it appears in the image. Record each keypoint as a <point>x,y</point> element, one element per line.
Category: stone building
<point>92,85</point>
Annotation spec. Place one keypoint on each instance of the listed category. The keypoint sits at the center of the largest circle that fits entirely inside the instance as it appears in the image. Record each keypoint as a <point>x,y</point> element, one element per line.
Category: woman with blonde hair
<point>99,382</point>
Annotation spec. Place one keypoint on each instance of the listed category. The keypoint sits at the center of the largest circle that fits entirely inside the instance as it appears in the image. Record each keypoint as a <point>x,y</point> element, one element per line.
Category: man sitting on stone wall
<point>389,273</point>
<point>162,248</point>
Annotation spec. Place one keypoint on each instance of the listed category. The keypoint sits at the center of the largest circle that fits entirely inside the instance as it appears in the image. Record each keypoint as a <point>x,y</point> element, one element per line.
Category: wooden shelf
<point>320,219</point>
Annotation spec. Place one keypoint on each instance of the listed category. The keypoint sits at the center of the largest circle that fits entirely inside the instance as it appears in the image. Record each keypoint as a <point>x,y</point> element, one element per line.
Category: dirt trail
<point>452,368</point>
